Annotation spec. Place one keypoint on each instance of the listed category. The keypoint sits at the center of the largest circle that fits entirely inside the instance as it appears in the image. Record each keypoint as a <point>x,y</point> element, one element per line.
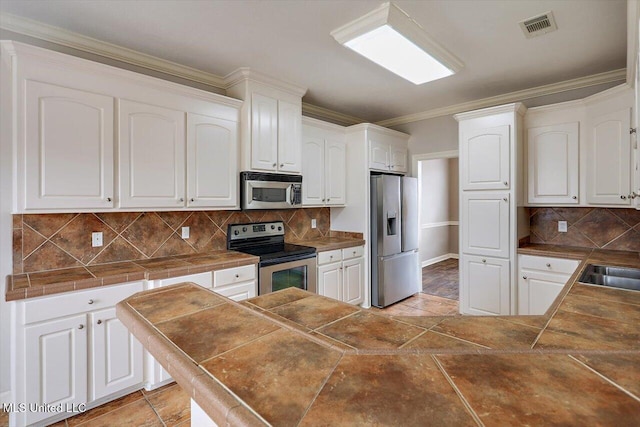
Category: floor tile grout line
<point>413,339</point>
<point>154,410</point>
<point>324,383</point>
<point>607,379</point>
<point>106,413</point>
<point>463,399</point>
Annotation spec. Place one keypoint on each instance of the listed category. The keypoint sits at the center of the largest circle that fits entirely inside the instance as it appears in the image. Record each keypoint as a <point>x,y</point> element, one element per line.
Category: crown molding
<point>518,108</point>
<point>244,74</point>
<point>550,89</point>
<point>77,41</point>
<point>330,115</point>
<point>380,129</point>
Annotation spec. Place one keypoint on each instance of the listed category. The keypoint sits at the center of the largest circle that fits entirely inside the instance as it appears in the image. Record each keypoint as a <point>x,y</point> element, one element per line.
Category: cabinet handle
<point>274,165</point>
<point>354,252</point>
<point>237,276</point>
<point>484,260</point>
<point>548,265</point>
<point>99,322</point>
<point>505,183</point>
<point>323,200</point>
<point>623,197</point>
<point>90,301</point>
<point>281,165</point>
<point>524,277</point>
<point>192,200</point>
<point>181,200</point>
<point>328,200</point>
<point>575,197</point>
<point>108,199</point>
<point>80,326</point>
<point>505,199</point>
<point>330,256</point>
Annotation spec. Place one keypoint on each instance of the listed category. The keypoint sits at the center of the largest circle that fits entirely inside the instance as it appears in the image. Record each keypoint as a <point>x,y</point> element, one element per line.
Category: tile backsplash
<point>52,241</point>
<point>610,228</point>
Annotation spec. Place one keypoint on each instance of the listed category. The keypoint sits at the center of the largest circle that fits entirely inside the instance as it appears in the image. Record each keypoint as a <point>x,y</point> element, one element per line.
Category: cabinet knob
<point>108,199</point>
<point>192,200</point>
<point>575,197</point>
<point>281,165</point>
<point>623,197</point>
<point>392,166</point>
<point>548,265</point>
<point>81,326</point>
<point>524,277</point>
<point>90,301</point>
<point>181,200</point>
<point>274,165</point>
<point>99,322</point>
<point>484,260</point>
<point>505,183</point>
<point>505,199</point>
<point>328,200</point>
<point>354,252</point>
<point>323,200</point>
<point>237,276</point>
<point>330,256</point>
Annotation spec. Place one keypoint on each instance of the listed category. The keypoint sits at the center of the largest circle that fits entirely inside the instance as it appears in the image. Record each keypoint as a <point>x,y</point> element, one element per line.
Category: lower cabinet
<point>341,274</point>
<point>72,350</point>
<point>540,280</point>
<point>486,289</point>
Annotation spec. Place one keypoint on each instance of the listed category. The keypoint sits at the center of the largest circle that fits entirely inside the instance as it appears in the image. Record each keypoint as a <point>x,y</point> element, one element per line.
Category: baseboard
<point>437,259</point>
<point>454,256</point>
<point>5,397</point>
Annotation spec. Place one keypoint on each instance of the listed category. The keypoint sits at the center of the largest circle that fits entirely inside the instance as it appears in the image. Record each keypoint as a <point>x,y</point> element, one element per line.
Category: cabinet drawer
<point>354,252</point>
<point>329,256</point>
<point>239,292</point>
<point>67,304</point>
<point>202,279</point>
<point>548,264</point>
<point>230,276</point>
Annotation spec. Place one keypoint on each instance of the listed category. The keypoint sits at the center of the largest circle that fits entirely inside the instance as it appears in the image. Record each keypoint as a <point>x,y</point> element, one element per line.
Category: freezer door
<point>390,220</point>
<point>409,214</point>
<point>398,278</point>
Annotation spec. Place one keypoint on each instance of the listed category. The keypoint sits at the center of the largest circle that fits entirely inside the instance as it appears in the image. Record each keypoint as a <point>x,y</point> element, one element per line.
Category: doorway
<point>438,189</point>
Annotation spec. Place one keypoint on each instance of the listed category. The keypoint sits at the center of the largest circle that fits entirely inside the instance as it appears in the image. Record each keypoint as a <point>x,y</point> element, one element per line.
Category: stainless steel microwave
<point>260,190</point>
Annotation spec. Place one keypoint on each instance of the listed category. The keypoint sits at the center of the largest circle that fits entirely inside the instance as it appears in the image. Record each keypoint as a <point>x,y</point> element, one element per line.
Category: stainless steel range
<point>282,265</point>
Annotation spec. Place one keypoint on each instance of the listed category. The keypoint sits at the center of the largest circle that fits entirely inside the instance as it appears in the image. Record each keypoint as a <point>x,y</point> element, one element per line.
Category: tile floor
<point>170,406</point>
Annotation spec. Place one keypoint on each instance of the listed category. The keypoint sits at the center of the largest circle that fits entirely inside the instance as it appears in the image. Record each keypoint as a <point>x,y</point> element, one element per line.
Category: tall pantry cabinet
<point>491,154</point>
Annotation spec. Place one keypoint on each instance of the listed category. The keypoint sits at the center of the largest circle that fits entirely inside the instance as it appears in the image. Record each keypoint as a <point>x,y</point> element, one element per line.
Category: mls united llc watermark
<point>44,407</point>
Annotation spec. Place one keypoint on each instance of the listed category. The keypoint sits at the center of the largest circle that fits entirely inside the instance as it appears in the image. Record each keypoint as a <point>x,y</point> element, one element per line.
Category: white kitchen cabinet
<point>61,124</point>
<point>485,216</point>
<point>487,289</point>
<point>341,274</point>
<point>608,146</point>
<point>55,358</point>
<point>238,283</point>
<point>212,162</point>
<point>540,281</point>
<point>116,355</point>
<point>553,164</point>
<point>485,156</point>
<point>71,349</point>
<point>264,132</point>
<point>289,137</point>
<point>152,156</point>
<point>323,164</point>
<point>387,152</point>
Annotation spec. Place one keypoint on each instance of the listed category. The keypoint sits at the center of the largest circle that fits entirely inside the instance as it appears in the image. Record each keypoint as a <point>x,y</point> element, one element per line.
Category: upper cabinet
<point>271,117</point>
<point>323,164</point>
<point>486,158</point>
<point>582,152</point>
<point>553,163</point>
<point>177,147</point>
<point>388,150</point>
<point>67,147</point>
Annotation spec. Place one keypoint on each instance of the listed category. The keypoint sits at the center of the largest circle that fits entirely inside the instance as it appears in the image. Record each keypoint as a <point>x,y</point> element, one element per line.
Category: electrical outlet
<point>185,232</point>
<point>562,226</point>
<point>313,223</point>
<point>96,239</point>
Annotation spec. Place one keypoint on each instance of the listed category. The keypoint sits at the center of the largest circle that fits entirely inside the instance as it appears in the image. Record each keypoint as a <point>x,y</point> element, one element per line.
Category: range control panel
<point>254,230</point>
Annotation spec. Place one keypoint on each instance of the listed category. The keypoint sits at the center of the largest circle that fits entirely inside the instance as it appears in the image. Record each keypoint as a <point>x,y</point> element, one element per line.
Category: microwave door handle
<point>291,194</point>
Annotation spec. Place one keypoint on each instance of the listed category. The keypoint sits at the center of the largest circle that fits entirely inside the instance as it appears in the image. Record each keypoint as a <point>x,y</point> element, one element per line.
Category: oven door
<point>267,195</point>
<point>300,274</point>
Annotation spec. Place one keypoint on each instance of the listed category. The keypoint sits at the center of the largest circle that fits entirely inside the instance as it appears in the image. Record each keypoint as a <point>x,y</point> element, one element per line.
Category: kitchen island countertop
<point>295,358</point>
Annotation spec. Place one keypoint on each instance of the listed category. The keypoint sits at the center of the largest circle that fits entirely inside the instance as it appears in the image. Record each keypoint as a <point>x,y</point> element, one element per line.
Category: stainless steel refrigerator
<point>395,264</point>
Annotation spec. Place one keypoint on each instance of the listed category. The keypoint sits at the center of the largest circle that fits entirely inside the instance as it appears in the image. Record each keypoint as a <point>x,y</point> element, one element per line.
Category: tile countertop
<point>295,358</point>
<point>29,285</point>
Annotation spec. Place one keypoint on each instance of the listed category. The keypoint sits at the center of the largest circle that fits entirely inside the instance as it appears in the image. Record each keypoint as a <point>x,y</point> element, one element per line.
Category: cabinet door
<point>485,286</point>
<point>238,292</point>
<point>398,157</point>
<point>330,281</point>
<point>289,137</point>
<point>537,291</point>
<point>313,171</point>
<point>68,148</point>
<point>609,158</point>
<point>116,355</point>
<point>152,149</point>
<point>484,158</point>
<point>56,361</point>
<point>212,162</point>
<point>485,223</point>
<point>353,281</point>
<point>378,155</point>
<point>264,132</point>
<point>335,172</point>
<point>553,164</point>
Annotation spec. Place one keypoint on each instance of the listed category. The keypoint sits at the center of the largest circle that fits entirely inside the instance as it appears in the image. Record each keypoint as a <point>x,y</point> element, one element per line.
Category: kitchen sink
<point>614,277</point>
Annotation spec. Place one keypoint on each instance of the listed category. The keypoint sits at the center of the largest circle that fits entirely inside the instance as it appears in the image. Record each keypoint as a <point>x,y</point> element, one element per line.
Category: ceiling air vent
<point>538,25</point>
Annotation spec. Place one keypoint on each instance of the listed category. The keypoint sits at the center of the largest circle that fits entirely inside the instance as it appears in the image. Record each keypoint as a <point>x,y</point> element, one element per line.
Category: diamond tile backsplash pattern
<point>52,241</point>
<point>608,228</point>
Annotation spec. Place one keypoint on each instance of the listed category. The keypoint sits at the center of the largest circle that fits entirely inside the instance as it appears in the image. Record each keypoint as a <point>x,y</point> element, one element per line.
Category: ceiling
<point>290,40</point>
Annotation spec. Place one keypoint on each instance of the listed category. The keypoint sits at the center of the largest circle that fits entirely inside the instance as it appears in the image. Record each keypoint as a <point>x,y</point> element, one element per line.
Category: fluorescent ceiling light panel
<point>391,39</point>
